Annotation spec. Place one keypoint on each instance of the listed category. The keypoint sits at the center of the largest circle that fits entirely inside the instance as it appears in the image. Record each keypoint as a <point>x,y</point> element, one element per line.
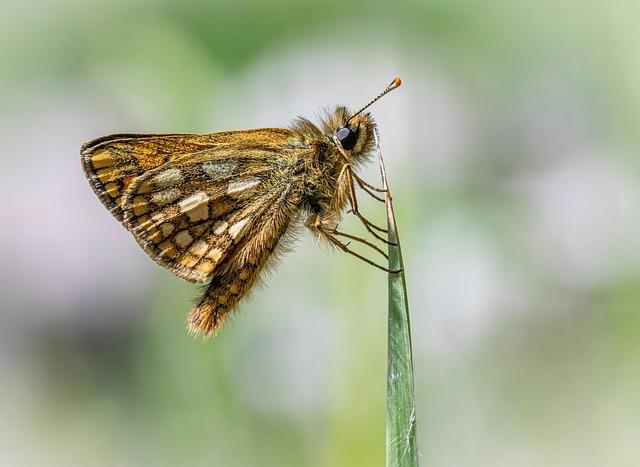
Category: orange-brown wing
<point>243,266</point>
<point>191,213</point>
<point>112,162</point>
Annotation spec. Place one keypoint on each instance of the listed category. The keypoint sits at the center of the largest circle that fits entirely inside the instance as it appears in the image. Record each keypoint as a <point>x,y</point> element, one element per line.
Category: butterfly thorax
<point>321,171</point>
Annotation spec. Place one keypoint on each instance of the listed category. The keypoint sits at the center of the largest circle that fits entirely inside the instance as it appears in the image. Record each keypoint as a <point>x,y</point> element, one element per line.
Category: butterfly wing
<point>111,163</point>
<point>191,213</point>
<point>203,206</point>
<point>190,199</point>
<point>258,248</point>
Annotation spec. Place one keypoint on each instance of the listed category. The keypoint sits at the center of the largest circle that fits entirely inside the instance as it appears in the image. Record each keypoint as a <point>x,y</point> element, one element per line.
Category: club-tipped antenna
<point>393,85</point>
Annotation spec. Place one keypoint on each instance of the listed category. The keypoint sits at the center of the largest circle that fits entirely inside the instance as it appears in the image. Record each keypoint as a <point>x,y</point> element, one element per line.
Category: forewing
<point>191,213</point>
<point>111,163</point>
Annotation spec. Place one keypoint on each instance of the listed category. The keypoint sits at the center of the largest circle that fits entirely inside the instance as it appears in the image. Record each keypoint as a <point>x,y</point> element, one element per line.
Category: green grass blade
<point>402,447</point>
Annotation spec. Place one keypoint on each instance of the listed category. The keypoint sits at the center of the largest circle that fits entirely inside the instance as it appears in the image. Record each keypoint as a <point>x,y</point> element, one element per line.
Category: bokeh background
<point>512,149</point>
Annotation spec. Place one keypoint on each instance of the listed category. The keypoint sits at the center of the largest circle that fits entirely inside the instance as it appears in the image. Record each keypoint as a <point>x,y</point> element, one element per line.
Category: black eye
<point>347,137</point>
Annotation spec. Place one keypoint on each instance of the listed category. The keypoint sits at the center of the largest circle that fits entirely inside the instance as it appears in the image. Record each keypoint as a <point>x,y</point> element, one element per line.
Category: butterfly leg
<point>349,174</point>
<point>364,185</point>
<point>360,240</point>
<point>331,235</point>
<point>354,209</point>
<point>368,187</point>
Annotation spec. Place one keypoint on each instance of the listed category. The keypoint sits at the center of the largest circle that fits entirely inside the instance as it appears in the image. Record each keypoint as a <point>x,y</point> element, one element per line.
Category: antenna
<point>393,85</point>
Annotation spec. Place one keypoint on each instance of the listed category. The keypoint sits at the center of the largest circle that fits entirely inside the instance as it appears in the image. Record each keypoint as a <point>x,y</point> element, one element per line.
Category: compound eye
<point>347,137</point>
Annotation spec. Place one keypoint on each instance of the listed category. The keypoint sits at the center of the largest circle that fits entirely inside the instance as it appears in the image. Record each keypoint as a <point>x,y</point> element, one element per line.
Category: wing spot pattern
<point>143,222</point>
<point>157,217</point>
<point>168,178</point>
<point>107,175</point>
<point>168,249</point>
<point>140,206</point>
<point>195,206</point>
<point>219,227</point>
<point>199,248</point>
<point>238,229</point>
<point>112,189</point>
<point>236,187</point>
<point>102,158</point>
<point>183,239</point>
<point>189,261</point>
<point>165,196</point>
<point>215,254</point>
<point>218,169</point>
<point>154,235</point>
<point>167,228</point>
<point>205,267</point>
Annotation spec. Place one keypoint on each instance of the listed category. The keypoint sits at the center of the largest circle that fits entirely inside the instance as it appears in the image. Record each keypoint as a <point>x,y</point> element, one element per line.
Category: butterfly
<point>217,208</point>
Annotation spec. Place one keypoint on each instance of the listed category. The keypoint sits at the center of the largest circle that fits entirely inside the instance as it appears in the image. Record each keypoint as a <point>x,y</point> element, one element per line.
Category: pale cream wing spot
<point>183,239</point>
<point>219,227</point>
<point>165,196</point>
<point>214,254</point>
<point>236,187</point>
<point>167,228</point>
<point>168,178</point>
<point>199,248</point>
<point>238,229</point>
<point>196,206</point>
<point>219,169</point>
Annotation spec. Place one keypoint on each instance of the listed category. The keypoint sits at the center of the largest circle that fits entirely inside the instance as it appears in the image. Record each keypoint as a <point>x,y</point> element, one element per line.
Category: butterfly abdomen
<point>221,297</point>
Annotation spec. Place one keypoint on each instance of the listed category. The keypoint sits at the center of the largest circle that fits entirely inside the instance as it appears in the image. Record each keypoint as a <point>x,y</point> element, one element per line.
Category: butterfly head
<point>353,136</point>
<point>353,131</point>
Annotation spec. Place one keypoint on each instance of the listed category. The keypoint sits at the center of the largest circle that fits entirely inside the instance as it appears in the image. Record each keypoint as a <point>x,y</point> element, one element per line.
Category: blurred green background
<point>512,152</point>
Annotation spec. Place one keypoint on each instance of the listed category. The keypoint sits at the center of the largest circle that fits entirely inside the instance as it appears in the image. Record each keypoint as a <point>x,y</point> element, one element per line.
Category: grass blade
<point>402,447</point>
